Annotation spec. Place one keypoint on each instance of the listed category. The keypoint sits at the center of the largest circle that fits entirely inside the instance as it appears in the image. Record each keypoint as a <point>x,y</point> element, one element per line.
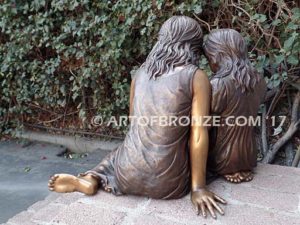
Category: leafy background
<point>62,62</point>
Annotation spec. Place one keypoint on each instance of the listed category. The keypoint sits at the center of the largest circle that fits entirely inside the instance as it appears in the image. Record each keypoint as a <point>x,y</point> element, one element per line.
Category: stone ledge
<point>271,198</point>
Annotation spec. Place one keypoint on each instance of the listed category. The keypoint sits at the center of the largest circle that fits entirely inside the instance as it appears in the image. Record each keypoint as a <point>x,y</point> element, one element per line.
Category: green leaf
<point>276,22</point>
<point>27,169</point>
<point>279,58</point>
<point>260,17</point>
<point>290,41</point>
<point>293,59</point>
<point>197,9</point>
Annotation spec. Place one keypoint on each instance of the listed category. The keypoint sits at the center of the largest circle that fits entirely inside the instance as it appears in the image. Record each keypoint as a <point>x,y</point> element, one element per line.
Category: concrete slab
<point>24,173</point>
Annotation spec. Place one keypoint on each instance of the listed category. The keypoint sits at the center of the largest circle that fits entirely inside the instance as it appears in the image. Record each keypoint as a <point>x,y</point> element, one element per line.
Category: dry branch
<point>297,158</point>
<point>278,95</point>
<point>203,22</point>
<point>289,154</point>
<point>294,126</point>
<point>264,131</point>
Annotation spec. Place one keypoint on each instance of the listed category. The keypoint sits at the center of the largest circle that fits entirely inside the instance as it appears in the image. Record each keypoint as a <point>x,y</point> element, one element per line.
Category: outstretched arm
<point>201,198</point>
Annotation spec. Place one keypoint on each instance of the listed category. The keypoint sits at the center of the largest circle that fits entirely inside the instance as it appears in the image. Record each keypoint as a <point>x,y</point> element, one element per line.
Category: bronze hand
<point>203,199</point>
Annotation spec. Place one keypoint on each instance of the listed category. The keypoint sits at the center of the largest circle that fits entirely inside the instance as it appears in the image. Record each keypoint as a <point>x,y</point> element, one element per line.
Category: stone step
<point>271,198</point>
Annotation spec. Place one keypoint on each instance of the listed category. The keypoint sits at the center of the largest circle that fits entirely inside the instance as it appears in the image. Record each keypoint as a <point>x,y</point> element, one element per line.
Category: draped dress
<point>153,160</point>
<point>232,142</point>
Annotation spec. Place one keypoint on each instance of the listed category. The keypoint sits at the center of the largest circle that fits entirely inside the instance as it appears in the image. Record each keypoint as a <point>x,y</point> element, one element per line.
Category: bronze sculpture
<point>154,160</point>
<point>237,91</point>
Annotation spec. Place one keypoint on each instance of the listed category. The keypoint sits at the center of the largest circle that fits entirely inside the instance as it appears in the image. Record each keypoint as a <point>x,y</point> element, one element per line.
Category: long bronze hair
<point>227,49</point>
<point>179,43</point>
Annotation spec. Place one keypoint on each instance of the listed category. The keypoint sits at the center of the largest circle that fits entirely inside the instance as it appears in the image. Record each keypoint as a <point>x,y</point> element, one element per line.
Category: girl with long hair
<point>237,92</point>
<point>155,160</point>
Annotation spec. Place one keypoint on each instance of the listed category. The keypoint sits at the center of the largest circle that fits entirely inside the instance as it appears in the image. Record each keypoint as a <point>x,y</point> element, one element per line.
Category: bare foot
<point>248,176</point>
<point>64,183</point>
<point>233,178</point>
<point>239,177</point>
<point>94,181</point>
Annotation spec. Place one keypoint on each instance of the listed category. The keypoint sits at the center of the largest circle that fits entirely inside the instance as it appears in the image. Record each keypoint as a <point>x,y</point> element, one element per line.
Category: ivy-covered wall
<point>63,61</point>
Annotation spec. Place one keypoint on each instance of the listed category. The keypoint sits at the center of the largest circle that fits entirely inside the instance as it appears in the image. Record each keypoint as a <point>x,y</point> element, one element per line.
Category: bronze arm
<point>201,198</point>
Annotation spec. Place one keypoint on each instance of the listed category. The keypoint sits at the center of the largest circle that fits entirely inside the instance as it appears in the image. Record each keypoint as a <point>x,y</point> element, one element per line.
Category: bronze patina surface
<point>237,92</point>
<point>154,160</point>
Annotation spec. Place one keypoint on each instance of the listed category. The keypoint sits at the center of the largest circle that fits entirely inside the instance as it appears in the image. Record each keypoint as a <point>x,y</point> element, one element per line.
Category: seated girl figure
<point>154,160</point>
<point>237,92</point>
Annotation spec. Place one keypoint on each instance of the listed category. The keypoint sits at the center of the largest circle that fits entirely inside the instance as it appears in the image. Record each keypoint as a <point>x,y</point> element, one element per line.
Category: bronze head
<point>227,53</point>
<point>179,43</point>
